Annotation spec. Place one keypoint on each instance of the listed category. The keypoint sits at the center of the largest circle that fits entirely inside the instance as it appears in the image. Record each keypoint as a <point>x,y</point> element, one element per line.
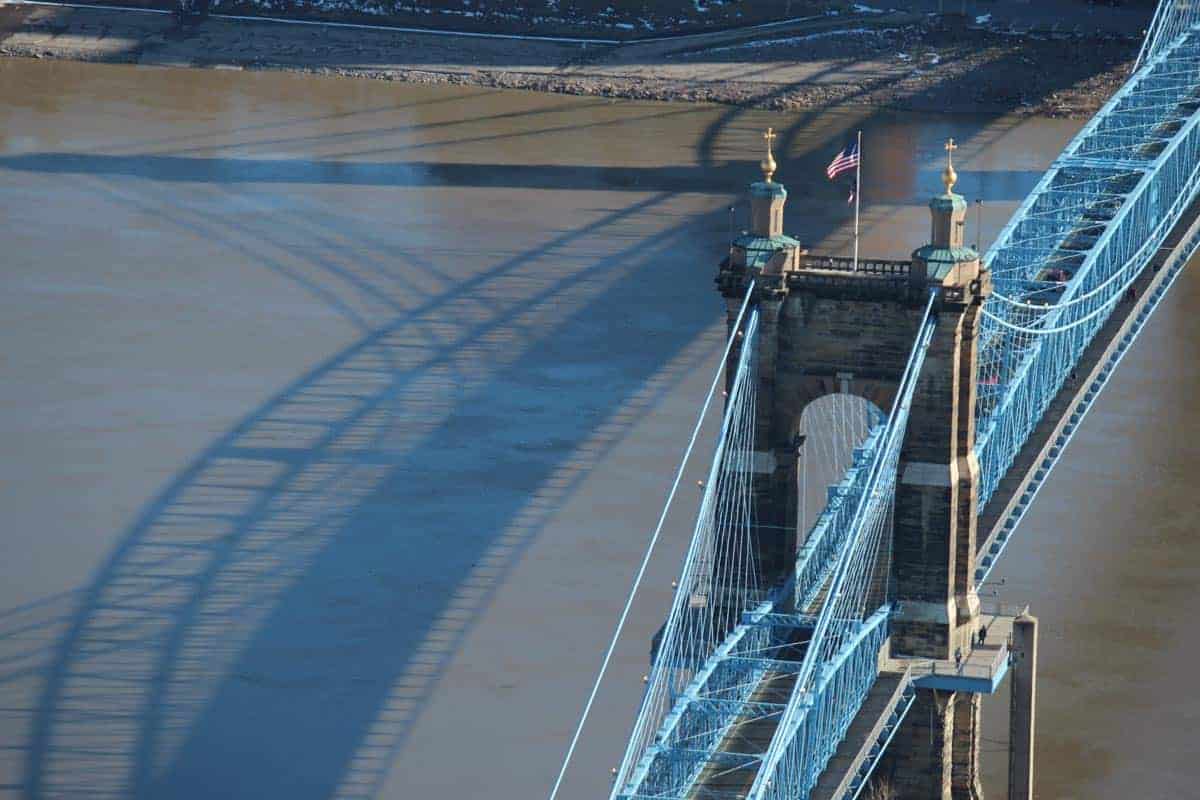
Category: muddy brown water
<point>336,415</point>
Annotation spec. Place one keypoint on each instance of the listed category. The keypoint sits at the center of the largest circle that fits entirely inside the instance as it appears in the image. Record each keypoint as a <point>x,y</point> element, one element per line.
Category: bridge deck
<point>1023,479</point>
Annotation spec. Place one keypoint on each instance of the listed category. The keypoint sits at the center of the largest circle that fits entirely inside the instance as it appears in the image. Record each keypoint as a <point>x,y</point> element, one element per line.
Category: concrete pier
<point>1021,712</point>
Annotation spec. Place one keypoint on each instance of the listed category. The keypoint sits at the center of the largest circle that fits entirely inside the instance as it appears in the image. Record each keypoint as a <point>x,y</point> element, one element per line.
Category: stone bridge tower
<point>830,324</point>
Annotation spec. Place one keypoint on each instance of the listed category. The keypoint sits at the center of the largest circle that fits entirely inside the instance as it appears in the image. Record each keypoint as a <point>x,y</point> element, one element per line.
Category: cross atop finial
<point>949,176</point>
<point>768,164</point>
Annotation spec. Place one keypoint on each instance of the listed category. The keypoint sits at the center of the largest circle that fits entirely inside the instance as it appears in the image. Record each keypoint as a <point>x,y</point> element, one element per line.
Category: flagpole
<point>857,196</point>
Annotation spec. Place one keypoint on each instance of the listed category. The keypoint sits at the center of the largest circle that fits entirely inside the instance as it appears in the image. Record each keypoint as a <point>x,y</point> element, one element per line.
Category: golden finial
<point>768,163</point>
<point>949,176</point>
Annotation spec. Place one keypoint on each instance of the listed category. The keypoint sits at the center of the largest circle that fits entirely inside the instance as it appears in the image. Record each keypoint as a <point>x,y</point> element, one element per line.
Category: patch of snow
<point>863,9</point>
<point>983,19</point>
<point>625,26</point>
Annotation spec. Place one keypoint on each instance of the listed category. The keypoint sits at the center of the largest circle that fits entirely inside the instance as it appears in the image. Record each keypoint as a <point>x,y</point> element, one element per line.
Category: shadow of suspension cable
<point>276,618</point>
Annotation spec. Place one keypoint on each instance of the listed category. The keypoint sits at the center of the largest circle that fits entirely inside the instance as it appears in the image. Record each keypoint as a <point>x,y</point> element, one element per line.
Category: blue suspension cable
<point>637,581</point>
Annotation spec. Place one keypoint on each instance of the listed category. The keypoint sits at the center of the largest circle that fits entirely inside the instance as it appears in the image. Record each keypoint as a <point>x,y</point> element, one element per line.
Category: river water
<point>336,415</point>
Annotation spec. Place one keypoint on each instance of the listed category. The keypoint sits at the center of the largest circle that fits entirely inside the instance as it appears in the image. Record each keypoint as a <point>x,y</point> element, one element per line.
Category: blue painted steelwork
<point>1171,19</point>
<point>840,664</point>
<point>1061,264</point>
<point>963,681</point>
<point>711,653</point>
<point>986,561</point>
<point>822,714</point>
<point>818,555</point>
<point>889,732</point>
<point>848,676</point>
<point>1078,242</point>
<point>820,710</point>
<point>690,733</point>
<point>800,621</point>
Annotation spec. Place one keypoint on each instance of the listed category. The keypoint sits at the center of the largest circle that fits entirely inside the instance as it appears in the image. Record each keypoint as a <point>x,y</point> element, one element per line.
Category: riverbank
<point>901,61</point>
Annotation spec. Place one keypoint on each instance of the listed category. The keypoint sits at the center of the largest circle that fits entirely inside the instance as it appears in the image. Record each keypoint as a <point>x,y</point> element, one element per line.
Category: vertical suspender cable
<point>637,581</point>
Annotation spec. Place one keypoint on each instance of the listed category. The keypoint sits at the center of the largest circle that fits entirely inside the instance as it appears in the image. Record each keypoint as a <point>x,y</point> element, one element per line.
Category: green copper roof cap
<point>948,202</point>
<point>941,260</point>
<point>759,249</point>
<point>751,241</point>
<point>767,189</point>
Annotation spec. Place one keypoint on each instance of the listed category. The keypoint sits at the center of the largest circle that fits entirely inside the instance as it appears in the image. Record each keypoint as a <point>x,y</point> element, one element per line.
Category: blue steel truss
<point>1069,254</point>
<point>1188,247</point>
<point>819,552</point>
<point>713,648</point>
<point>890,727</point>
<point>838,671</point>
<point>1079,241</point>
<point>1172,18</point>
<point>823,713</point>
<point>830,672</point>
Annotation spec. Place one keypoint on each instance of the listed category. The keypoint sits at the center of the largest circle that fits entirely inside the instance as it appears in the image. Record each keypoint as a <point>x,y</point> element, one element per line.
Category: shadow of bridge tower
<point>275,620</point>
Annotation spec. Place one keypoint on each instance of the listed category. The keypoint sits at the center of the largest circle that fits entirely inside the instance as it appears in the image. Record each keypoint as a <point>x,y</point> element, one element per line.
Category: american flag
<point>846,160</point>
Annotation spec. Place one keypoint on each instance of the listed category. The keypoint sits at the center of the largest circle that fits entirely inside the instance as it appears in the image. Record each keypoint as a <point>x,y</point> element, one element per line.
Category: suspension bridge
<point>798,657</point>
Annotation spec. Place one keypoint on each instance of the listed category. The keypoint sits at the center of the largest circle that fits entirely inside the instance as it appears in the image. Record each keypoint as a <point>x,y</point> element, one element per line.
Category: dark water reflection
<point>343,410</point>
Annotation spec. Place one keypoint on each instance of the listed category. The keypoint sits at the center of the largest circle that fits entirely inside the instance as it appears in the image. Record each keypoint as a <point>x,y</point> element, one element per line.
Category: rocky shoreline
<point>899,61</point>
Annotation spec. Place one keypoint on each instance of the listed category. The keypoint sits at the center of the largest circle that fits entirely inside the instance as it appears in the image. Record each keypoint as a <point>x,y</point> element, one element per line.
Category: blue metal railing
<point>693,729</point>
<point>806,738</point>
<point>819,552</point>
<point>826,712</point>
<point>1123,182</point>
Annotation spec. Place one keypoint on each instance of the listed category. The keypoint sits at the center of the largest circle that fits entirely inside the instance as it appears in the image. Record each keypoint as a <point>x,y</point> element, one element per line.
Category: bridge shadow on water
<point>276,619</point>
<point>1010,185</point>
